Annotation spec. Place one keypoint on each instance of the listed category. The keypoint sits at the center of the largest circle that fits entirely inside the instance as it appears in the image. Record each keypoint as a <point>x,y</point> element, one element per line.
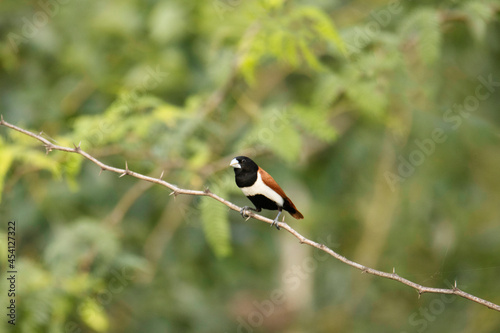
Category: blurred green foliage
<point>379,119</point>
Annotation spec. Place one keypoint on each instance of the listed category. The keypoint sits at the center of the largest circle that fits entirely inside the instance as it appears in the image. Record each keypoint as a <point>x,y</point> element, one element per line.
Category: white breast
<point>260,188</point>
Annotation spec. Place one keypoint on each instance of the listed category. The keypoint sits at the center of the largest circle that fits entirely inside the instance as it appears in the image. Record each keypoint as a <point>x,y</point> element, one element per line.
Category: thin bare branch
<point>303,240</point>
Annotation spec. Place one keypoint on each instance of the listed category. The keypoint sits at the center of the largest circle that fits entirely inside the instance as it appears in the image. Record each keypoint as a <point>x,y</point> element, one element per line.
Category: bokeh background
<point>380,119</point>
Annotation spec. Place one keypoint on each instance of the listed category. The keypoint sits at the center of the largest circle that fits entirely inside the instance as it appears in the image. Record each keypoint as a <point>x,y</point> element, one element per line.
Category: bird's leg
<point>242,211</point>
<point>275,222</point>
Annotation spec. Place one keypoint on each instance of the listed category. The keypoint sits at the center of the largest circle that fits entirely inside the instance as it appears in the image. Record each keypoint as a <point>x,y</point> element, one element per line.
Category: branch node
<point>48,148</point>
<point>77,148</point>
<point>127,171</point>
<point>174,193</point>
<point>207,191</point>
<point>364,270</point>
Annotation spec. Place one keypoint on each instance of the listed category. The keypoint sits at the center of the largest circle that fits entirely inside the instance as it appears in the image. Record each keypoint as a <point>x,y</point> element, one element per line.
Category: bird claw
<point>243,214</point>
<point>275,221</point>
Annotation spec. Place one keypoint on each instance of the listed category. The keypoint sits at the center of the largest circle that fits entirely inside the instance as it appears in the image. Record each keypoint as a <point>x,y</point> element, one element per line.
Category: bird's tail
<point>290,207</point>
<point>298,215</point>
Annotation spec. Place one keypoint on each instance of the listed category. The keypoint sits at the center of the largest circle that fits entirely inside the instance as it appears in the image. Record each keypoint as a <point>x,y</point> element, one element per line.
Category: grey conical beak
<point>235,164</point>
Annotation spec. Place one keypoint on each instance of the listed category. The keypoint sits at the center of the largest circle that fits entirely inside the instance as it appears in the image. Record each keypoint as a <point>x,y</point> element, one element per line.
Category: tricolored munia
<point>261,189</point>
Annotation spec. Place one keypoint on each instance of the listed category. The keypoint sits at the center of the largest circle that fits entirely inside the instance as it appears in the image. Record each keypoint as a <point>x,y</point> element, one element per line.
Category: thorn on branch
<point>127,171</point>
<point>161,176</point>
<point>207,191</point>
<point>1,119</point>
<point>100,171</point>
<point>77,148</point>
<point>175,193</point>
<point>48,149</point>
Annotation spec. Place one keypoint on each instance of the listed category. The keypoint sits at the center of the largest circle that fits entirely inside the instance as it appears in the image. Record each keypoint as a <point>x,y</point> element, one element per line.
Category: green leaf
<point>276,132</point>
<point>290,51</point>
<point>315,122</point>
<point>167,22</point>
<point>36,277</point>
<point>247,67</point>
<point>479,13</point>
<point>369,98</point>
<point>310,58</point>
<point>71,167</point>
<point>94,316</point>
<point>72,243</point>
<point>330,86</point>
<point>285,36</point>
<point>323,25</point>
<point>286,143</point>
<point>38,159</point>
<point>277,41</point>
<point>425,24</point>
<point>214,217</point>
<point>272,4</point>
